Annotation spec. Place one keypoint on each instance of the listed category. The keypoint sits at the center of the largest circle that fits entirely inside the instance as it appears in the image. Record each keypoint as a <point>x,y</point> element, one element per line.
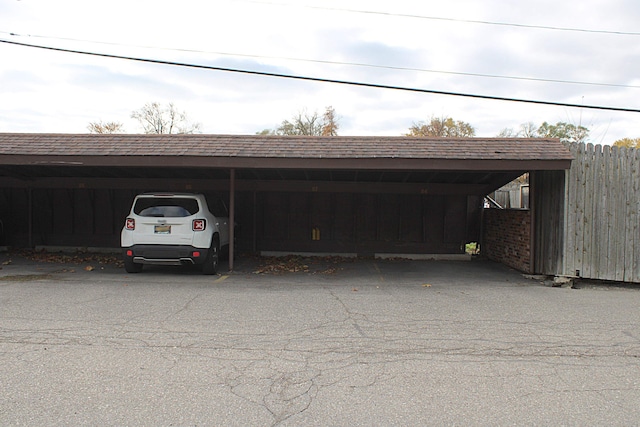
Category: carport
<point>350,194</point>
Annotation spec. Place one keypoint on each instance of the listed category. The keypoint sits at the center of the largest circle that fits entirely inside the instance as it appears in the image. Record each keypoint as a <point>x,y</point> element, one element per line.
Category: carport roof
<point>283,152</point>
<point>274,163</point>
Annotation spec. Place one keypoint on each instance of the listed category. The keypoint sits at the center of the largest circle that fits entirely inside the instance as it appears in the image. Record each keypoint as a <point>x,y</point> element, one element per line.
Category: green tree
<point>164,120</point>
<point>105,127</point>
<point>567,132</point>
<point>628,142</point>
<point>304,123</point>
<point>444,127</point>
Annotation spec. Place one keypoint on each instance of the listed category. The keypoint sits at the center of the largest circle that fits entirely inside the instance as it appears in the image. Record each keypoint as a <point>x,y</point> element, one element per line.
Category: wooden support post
<point>30,217</point>
<point>533,218</point>
<point>232,215</point>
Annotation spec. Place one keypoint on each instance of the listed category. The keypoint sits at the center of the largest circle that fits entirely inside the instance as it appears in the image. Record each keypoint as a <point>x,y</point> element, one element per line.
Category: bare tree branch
<point>105,127</point>
<point>157,120</point>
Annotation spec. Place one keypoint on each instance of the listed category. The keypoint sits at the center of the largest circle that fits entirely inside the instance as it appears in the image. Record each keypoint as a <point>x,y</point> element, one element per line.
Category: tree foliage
<point>156,119</point>
<point>304,123</point>
<point>330,124</point>
<point>566,132</point>
<point>628,142</point>
<point>301,124</point>
<point>105,127</point>
<point>444,127</point>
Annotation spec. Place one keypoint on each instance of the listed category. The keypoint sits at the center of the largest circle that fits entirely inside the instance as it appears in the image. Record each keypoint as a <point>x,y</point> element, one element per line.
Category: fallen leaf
<point>297,264</point>
<point>80,257</point>
<point>426,285</point>
<point>8,262</point>
<point>88,268</point>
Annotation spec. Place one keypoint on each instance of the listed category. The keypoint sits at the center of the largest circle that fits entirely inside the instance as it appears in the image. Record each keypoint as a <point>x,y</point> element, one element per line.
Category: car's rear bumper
<point>165,254</point>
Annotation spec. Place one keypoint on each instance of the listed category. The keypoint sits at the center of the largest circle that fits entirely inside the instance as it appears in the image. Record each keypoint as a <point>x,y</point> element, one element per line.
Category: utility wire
<point>437,18</point>
<point>320,61</point>
<point>319,79</point>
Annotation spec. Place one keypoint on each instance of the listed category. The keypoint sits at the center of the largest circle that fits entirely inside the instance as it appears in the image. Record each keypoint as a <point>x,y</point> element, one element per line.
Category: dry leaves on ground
<point>71,258</point>
<point>297,264</point>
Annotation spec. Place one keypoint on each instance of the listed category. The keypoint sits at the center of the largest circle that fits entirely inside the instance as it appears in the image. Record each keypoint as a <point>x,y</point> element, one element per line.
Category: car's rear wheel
<point>212,262</point>
<point>130,266</point>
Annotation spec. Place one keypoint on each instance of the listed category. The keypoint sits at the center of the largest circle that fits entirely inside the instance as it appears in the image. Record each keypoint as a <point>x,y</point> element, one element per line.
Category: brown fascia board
<point>377,163</point>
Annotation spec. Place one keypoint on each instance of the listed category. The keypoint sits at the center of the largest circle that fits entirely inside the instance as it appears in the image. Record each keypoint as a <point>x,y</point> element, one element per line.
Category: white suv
<point>174,229</point>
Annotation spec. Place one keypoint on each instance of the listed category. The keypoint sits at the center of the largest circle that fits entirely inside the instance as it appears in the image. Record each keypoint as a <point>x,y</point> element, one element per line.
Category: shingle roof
<point>301,147</point>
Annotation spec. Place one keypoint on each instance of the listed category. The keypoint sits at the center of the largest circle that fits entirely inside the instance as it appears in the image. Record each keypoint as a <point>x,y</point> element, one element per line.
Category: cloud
<point>49,91</point>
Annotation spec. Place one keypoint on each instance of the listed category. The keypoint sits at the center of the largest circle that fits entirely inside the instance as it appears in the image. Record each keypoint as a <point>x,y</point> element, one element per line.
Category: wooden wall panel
<point>601,234</point>
<point>366,218</point>
<point>298,225</point>
<point>320,214</point>
<point>455,219</point>
<point>344,220</point>
<point>363,223</point>
<point>433,220</point>
<point>410,215</point>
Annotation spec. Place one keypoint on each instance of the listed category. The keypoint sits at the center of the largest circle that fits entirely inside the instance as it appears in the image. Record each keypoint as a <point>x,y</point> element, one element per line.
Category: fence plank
<point>579,209</point>
<point>598,238</point>
<point>588,213</point>
<point>622,216</point>
<point>568,266</point>
<point>631,238</point>
<point>635,238</point>
<point>617,214</point>
<point>628,227</point>
<point>610,183</point>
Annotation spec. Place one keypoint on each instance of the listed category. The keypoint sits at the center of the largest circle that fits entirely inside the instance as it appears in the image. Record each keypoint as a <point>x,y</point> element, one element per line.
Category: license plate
<point>162,229</point>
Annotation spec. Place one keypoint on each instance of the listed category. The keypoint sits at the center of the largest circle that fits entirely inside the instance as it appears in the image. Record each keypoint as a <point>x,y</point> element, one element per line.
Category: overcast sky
<point>418,44</point>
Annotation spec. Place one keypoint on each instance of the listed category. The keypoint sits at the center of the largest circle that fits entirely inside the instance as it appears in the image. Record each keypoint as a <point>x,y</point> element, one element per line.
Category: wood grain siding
<point>364,223</point>
<point>549,208</point>
<point>602,224</point>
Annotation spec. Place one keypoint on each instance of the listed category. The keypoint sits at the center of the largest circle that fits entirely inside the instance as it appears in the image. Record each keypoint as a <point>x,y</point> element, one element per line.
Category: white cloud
<point>42,91</point>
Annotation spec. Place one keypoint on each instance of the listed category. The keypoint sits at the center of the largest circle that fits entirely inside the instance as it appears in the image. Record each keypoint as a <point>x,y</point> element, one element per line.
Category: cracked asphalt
<point>361,343</point>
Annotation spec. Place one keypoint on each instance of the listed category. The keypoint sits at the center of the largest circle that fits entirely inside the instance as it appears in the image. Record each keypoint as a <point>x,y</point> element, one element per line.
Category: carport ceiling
<point>104,160</point>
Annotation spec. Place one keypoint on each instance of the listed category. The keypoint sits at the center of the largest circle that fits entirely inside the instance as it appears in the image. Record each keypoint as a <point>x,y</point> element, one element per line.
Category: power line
<point>438,18</point>
<point>321,61</point>
<point>321,80</point>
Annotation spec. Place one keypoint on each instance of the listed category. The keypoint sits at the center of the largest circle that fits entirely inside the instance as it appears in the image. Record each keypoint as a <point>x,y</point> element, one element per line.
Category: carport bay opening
<point>279,221</point>
<point>376,203</point>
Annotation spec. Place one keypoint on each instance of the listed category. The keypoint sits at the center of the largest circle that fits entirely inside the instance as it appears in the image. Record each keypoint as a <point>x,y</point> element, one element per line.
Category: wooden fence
<point>602,214</point>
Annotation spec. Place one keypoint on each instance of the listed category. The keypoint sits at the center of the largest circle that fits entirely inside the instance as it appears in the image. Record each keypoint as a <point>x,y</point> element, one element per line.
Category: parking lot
<point>312,342</point>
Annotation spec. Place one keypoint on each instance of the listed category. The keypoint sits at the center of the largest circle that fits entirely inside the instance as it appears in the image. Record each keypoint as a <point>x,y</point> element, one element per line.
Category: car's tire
<point>212,262</point>
<point>131,267</point>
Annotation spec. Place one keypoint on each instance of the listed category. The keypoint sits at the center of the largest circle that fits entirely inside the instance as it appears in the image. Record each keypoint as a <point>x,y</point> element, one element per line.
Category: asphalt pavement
<point>312,342</point>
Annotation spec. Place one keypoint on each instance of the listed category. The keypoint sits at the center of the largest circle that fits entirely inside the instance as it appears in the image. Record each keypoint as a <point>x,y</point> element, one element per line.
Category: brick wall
<point>507,237</point>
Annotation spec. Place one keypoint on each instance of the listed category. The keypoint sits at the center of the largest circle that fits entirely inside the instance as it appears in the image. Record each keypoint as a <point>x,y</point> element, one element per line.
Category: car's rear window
<point>166,207</point>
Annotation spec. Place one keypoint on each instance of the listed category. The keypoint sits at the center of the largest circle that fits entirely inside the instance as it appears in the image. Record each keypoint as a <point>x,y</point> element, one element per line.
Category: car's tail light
<point>196,254</point>
<point>130,224</point>
<point>199,224</point>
